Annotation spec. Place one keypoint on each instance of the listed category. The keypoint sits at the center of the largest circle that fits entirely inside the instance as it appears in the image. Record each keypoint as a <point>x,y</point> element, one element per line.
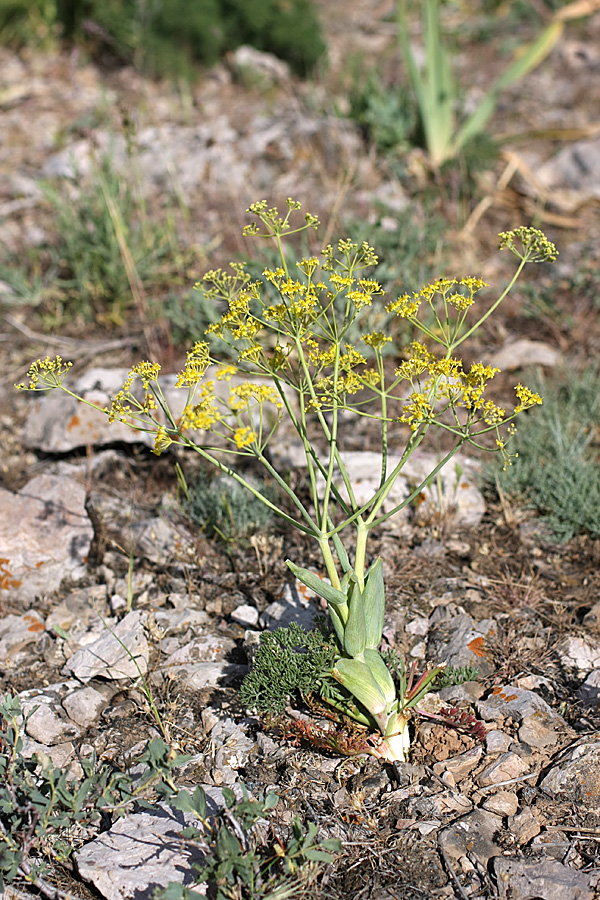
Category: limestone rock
<point>576,778</point>
<point>120,652</point>
<point>45,535</point>
<point>473,834</point>
<point>548,880</point>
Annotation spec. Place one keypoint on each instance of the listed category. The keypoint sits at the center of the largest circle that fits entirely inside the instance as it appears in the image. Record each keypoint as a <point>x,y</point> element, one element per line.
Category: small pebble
<point>504,803</point>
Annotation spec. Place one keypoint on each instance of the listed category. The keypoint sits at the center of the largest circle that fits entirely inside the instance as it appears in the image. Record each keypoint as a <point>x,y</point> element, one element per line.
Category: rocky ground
<point>104,579</point>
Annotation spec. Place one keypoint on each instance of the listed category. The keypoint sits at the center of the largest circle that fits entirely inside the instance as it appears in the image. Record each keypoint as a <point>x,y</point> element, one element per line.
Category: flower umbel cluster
<point>292,337</point>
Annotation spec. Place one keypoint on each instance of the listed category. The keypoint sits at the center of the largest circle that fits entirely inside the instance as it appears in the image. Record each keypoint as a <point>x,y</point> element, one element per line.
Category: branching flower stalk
<point>290,334</point>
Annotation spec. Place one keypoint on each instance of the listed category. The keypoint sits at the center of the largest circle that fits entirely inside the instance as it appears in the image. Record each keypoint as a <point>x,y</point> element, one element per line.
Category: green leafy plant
<point>294,359</point>
<point>436,91</point>
<point>223,507</point>
<point>452,675</point>
<point>40,804</point>
<point>559,456</point>
<point>46,813</point>
<point>107,257</point>
<point>237,863</point>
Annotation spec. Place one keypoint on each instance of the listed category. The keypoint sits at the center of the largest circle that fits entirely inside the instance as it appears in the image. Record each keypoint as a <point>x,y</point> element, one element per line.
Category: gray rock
<point>504,768</point>
<point>539,720</point>
<point>497,742</point>
<point>518,354</point>
<point>524,826</point>
<point>257,69</point>
<point>45,725</point>
<point>121,651</point>
<point>17,633</point>
<point>175,621</point>
<point>78,609</point>
<point>45,535</point>
<point>296,604</point>
<point>580,653</point>
<point>459,766</point>
<point>207,648</point>
<point>538,733</point>
<point>547,880</point>
<point>473,834</point>
<point>85,705</point>
<point>199,676</point>
<point>58,423</point>
<point>442,804</point>
<point>576,778</point>
<point>245,615</point>
<point>575,171</point>
<point>503,803</point>
<point>459,641</point>
<point>589,691</point>
<point>140,853</point>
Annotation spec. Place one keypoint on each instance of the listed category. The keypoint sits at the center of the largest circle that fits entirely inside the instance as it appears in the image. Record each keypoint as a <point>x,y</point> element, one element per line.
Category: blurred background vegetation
<point>167,37</point>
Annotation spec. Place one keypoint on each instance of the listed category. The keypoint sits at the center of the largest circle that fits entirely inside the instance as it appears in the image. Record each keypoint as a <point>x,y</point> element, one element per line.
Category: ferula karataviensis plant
<point>289,333</point>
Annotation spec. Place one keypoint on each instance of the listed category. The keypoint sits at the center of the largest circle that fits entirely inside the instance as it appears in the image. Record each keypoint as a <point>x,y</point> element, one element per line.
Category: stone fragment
<point>504,768</point>
<point>467,692</point>
<point>503,803</point>
<point>121,651</point>
<point>576,778</point>
<point>580,653</point>
<point>573,174</point>
<point>60,755</point>
<point>524,826</point>
<point>174,621</point>
<point>497,742</point>
<point>474,835</point>
<point>206,648</point>
<point>548,880</point>
<point>258,69</point>
<point>459,641</point>
<point>521,353</point>
<point>535,732</point>
<point>78,609</point>
<point>199,676</point>
<point>44,724</point>
<point>45,536</point>
<point>245,615</point>
<point>419,626</point>
<point>589,690</point>
<point>441,804</point>
<point>461,765</point>
<point>539,722</point>
<point>17,633</point>
<point>141,853</point>
<point>84,706</point>
<point>296,604</point>
<point>553,843</point>
<point>591,620</point>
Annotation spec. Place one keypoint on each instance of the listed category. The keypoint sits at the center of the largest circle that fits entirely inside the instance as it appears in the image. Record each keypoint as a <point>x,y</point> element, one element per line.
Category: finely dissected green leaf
<point>374,604</point>
<point>357,678</point>
<point>355,635</point>
<point>319,587</point>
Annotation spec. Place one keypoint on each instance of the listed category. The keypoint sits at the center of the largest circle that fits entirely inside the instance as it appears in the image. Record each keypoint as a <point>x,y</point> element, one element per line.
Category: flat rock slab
<point>17,633</point>
<point>121,651</point>
<point>45,536</point>
<point>547,880</point>
<point>139,854</point>
<point>472,834</point>
<point>576,778</point>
